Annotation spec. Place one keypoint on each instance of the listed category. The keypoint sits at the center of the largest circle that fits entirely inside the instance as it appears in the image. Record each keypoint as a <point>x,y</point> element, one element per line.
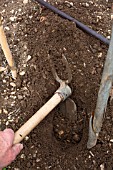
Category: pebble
<point>34,155</point>
<point>19,9</point>
<point>0,111</point>
<point>61,132</point>
<point>111,140</point>
<point>5,111</point>
<point>89,156</point>
<point>11,120</point>
<point>108,37</point>
<point>102,166</point>
<point>7,28</point>
<point>13,92</point>
<point>4,81</point>
<point>3,11</point>
<point>12,18</point>
<point>22,156</point>
<point>26,138</point>
<point>28,58</point>
<point>76,138</point>
<point>99,55</point>
<point>69,3</point>
<point>20,97</point>
<point>87,5</point>
<point>25,1</point>
<point>7,123</point>
<point>22,73</point>
<point>12,84</point>
<point>12,11</point>
<point>9,117</point>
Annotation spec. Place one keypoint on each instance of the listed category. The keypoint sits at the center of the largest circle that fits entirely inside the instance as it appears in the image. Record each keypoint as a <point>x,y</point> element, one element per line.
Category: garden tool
<point>63,92</point>
<point>96,119</point>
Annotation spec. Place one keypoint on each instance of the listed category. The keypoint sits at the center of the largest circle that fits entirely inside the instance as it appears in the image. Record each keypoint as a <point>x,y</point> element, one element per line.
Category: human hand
<point>8,151</point>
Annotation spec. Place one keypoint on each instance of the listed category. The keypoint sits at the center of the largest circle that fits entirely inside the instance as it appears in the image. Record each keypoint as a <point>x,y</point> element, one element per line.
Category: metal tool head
<point>57,78</point>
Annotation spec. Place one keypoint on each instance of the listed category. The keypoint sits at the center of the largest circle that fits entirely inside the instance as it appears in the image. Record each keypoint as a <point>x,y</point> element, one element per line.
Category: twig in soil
<point>96,119</point>
<point>6,50</point>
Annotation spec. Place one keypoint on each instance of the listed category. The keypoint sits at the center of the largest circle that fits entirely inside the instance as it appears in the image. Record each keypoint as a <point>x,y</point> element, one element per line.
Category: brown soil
<point>57,143</point>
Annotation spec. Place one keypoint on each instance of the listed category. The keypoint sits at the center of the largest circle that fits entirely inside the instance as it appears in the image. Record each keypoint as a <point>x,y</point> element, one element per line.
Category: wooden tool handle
<point>7,52</point>
<point>37,118</point>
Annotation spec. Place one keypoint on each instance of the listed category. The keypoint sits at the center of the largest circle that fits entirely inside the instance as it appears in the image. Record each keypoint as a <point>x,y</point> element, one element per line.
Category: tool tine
<point>55,75</point>
<point>64,60</point>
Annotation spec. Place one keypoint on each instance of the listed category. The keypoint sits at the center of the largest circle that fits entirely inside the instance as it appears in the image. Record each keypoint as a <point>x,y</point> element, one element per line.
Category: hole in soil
<point>68,128</point>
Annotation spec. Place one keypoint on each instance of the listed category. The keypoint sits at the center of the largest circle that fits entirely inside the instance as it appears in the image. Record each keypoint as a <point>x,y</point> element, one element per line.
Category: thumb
<point>16,150</point>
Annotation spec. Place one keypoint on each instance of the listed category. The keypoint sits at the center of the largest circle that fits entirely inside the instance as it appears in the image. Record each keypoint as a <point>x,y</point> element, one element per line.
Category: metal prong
<point>67,68</point>
<point>56,77</point>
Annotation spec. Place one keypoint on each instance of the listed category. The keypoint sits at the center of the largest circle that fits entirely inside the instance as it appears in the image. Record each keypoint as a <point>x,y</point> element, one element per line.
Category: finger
<point>8,136</point>
<point>16,150</point>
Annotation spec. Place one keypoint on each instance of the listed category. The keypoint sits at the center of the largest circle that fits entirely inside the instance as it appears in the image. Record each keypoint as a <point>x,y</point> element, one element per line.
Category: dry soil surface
<point>33,32</point>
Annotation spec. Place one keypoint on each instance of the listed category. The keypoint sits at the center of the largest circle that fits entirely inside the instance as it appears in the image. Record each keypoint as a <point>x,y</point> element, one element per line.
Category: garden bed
<point>33,33</point>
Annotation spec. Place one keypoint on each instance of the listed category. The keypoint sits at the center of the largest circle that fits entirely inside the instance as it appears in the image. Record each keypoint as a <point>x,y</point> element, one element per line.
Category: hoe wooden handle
<point>37,118</point>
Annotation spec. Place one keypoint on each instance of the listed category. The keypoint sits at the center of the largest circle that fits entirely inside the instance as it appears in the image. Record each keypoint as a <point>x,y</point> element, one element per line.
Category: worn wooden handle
<point>37,118</point>
<point>7,52</point>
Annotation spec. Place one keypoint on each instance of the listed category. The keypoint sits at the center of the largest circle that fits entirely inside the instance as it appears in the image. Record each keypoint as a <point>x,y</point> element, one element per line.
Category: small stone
<point>11,120</point>
<point>69,4</point>
<point>84,64</point>
<point>13,92</point>
<point>26,138</point>
<point>3,11</point>
<point>5,111</point>
<point>34,155</point>
<point>61,132</point>
<point>22,156</point>
<point>28,58</point>
<point>7,28</point>
<point>87,5</point>
<point>102,166</point>
<point>111,140</point>
<point>25,1</point>
<point>19,9</point>
<point>108,37</point>
<point>22,73</point>
<point>12,84</point>
<point>4,81</point>
<point>12,11</point>
<point>7,123</point>
<point>12,18</point>
<point>20,97</point>
<point>89,156</point>
<point>99,55</point>
<point>0,111</point>
<point>76,138</point>
<point>37,160</point>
